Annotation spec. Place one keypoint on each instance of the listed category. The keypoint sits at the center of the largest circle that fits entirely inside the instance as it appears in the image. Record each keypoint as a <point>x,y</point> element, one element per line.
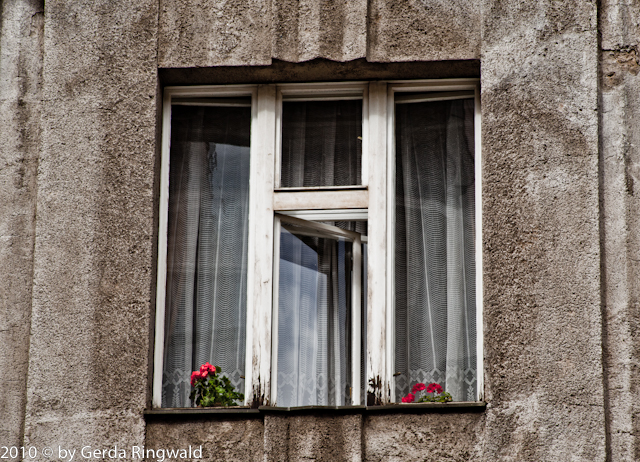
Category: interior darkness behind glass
<point>321,143</point>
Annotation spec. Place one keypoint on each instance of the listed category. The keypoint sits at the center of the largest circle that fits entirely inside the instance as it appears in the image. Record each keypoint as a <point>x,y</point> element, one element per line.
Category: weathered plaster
<point>204,33</point>
<point>309,29</point>
<point>429,437</point>
<point>88,358</point>
<point>620,171</point>
<point>222,439</point>
<point>211,33</point>
<point>423,30</point>
<point>543,355</point>
<point>21,32</point>
<point>313,437</point>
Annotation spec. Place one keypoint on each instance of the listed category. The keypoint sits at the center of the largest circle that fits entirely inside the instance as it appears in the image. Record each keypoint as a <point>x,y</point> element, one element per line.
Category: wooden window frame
<point>372,200</point>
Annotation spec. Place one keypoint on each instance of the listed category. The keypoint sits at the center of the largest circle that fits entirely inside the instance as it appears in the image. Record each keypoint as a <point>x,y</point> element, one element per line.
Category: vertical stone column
<point>92,296</point>
<point>21,34</point>
<point>619,24</point>
<point>542,310</point>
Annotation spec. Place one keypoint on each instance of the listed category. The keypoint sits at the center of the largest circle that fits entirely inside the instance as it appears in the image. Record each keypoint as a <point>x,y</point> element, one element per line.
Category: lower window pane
<point>314,319</point>
<point>207,245</point>
<point>435,304</point>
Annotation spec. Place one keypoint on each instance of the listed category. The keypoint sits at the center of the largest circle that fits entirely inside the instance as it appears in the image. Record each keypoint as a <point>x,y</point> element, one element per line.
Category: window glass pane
<point>314,318</point>
<point>207,243</point>
<point>435,305</point>
<point>321,143</point>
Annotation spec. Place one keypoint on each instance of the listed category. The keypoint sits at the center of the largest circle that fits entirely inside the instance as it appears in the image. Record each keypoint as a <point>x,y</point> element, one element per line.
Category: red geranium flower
<point>195,375</point>
<point>206,367</point>
<point>418,387</point>
<point>434,387</point>
<point>410,398</point>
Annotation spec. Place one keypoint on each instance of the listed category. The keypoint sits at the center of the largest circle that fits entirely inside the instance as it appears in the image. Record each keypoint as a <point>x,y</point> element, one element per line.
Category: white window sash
<point>374,200</point>
<point>378,325</point>
<point>322,230</point>
<point>438,90</point>
<point>322,92</point>
<point>261,242</point>
<point>169,94</point>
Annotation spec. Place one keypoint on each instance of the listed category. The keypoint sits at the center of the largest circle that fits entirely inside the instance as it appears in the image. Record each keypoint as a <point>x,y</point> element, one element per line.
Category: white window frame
<point>436,87</point>
<point>356,321</point>
<point>372,200</point>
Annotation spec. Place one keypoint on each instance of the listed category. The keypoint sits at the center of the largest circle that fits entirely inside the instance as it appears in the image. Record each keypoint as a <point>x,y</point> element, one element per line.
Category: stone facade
<point>80,102</point>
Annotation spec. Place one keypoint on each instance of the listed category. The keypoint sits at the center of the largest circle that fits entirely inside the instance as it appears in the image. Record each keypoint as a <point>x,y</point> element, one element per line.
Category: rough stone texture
<point>202,33</point>
<point>619,24</point>
<point>89,352</point>
<point>425,437</point>
<point>423,30</point>
<point>620,205</point>
<point>543,356</point>
<point>205,33</point>
<point>308,29</point>
<point>313,437</point>
<point>223,438</point>
<point>21,33</point>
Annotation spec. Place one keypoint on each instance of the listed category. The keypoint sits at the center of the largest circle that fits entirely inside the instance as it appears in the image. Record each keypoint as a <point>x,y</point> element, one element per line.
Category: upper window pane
<point>321,143</point>
<point>206,243</point>
<point>435,305</point>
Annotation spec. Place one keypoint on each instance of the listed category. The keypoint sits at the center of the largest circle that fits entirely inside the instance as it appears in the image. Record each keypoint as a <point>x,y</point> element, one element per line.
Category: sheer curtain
<point>207,246</point>
<point>314,331</point>
<point>435,253</point>
<point>321,143</point>
<point>321,147</point>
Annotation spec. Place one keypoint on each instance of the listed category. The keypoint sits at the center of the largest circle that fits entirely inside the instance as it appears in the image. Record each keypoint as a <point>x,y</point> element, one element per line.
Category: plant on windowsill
<point>433,393</point>
<point>211,389</point>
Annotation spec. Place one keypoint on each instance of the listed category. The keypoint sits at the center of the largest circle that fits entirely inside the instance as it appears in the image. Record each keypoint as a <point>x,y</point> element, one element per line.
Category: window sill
<point>458,406</point>
<point>313,409</point>
<point>412,408</point>
<point>186,412</point>
<point>321,188</point>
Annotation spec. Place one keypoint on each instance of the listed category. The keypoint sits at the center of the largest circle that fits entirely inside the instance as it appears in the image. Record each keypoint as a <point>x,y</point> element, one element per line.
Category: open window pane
<point>206,243</point>
<point>363,318</point>
<point>315,330</point>
<point>321,143</point>
<point>435,305</point>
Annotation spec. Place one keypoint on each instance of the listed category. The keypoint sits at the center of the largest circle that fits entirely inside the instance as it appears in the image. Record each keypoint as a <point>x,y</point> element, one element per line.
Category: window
<point>320,242</point>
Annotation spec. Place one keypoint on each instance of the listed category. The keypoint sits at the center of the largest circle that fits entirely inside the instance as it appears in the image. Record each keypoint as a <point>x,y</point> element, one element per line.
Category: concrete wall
<point>542,256</point>
<point>194,33</point>
<point>620,205</point>
<point>79,120</point>
<point>21,40</point>
<point>93,258</point>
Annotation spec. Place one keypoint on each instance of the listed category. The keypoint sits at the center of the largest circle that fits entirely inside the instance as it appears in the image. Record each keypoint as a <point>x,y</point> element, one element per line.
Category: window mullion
<point>260,258</point>
<point>356,321</point>
<point>162,253</point>
<point>478,222</point>
<point>378,326</point>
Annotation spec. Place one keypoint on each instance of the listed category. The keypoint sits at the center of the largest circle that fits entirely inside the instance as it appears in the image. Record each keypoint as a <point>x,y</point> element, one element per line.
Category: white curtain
<point>314,328</point>
<point>321,147</point>
<point>207,248</point>
<point>321,143</point>
<point>435,253</point>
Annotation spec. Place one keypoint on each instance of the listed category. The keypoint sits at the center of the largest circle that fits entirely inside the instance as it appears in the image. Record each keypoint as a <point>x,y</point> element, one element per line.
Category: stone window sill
<point>467,406</point>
